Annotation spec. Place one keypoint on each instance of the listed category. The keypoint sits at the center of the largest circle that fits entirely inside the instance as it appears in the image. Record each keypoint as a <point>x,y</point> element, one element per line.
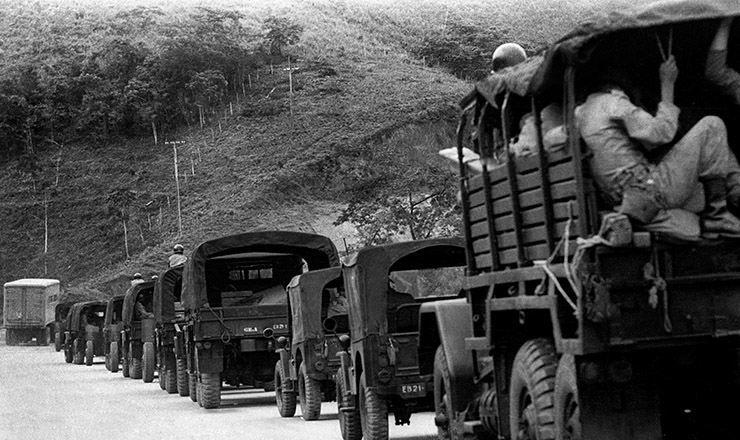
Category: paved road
<point>42,397</point>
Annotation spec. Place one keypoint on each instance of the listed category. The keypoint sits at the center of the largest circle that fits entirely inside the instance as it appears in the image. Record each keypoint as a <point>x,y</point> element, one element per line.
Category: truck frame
<point>170,316</point>
<point>563,336</point>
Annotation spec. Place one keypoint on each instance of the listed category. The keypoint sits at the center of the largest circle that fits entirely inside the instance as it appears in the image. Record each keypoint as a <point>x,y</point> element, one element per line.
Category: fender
<point>287,368</point>
<point>448,323</point>
<point>346,365</point>
<point>209,360</point>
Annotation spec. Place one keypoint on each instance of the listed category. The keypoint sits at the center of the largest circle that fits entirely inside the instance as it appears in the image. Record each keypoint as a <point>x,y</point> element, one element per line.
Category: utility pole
<point>177,184</point>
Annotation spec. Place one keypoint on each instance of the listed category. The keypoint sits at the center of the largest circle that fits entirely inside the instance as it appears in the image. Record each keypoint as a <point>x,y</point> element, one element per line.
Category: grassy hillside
<point>366,109</point>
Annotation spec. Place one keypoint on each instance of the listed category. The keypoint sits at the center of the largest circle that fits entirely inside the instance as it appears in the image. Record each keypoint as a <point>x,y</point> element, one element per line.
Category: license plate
<point>413,389</point>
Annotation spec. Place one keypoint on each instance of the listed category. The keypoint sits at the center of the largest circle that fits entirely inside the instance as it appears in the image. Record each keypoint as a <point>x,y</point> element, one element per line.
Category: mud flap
<point>209,360</point>
<point>285,360</point>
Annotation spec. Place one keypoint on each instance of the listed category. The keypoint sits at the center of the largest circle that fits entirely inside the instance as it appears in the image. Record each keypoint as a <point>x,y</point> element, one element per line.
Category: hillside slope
<point>364,109</point>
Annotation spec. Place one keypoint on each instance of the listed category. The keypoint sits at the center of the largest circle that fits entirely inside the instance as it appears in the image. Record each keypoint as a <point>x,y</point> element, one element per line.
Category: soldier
<point>137,279</point>
<point>177,258</point>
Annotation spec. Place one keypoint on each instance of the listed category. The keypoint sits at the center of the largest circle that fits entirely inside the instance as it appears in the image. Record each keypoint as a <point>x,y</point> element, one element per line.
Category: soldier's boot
<point>716,219</point>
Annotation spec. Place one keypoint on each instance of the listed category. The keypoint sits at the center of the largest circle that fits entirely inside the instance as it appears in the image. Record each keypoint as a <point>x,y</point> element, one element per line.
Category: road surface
<point>42,397</point>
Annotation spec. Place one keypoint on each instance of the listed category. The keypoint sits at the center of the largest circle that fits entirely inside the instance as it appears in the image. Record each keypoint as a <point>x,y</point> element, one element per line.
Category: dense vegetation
<point>293,115</point>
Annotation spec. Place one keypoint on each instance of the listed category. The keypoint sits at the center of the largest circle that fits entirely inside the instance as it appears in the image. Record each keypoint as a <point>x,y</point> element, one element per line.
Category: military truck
<point>28,308</point>
<point>380,369</point>
<point>168,313</point>
<point>112,333</point>
<point>83,338</point>
<point>309,355</point>
<point>235,304</point>
<point>138,334</point>
<point>568,330</point>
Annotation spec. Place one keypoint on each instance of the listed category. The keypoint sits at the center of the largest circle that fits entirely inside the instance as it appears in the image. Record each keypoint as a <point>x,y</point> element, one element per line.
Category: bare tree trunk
<point>125,239</point>
<point>154,131</point>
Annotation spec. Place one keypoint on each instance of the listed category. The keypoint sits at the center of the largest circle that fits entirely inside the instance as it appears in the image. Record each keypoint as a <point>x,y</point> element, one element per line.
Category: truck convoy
<point>573,327</point>
<point>28,308</point>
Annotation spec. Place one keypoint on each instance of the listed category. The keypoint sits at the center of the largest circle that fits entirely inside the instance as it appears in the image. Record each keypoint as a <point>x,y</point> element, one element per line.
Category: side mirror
<point>282,342</point>
<point>345,342</point>
<point>268,332</point>
<point>330,325</point>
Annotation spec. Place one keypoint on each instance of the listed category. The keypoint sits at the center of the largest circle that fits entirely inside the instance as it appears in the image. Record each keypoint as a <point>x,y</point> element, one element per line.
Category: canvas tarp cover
<point>366,276</point>
<point>318,251</point>
<point>130,299</point>
<point>538,72</point>
<point>167,290</point>
<point>114,303</point>
<point>305,292</point>
<point>78,309</point>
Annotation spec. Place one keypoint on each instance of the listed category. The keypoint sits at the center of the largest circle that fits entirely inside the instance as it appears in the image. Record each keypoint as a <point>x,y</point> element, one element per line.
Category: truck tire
<point>531,415</point>
<point>148,362</point>
<point>67,355</point>
<point>58,341</point>
<point>170,383</point>
<point>349,421</point>
<point>9,340</point>
<point>162,375</point>
<point>199,393</point>
<point>193,386</point>
<point>77,353</point>
<point>114,359</point>
<point>126,365</point>
<point>309,393</point>
<point>134,368</point>
<point>567,412</point>
<point>442,404</point>
<point>42,338</point>
<point>183,384</point>
<point>373,413</point>
<point>89,353</point>
<point>286,400</point>
<point>210,394</point>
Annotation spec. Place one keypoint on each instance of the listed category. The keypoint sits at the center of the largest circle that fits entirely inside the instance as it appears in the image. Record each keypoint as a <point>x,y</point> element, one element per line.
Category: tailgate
<point>242,322</point>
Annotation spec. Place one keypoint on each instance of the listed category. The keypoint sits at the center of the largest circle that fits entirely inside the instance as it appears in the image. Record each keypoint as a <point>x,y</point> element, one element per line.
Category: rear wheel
<point>114,357</point>
<point>67,355</point>
<point>193,386</point>
<point>442,405</point>
<point>58,341</point>
<point>373,413</point>
<point>148,362</point>
<point>309,392</point>
<point>349,420</point>
<point>89,353</point>
<point>286,400</point>
<point>567,412</point>
<point>210,394</point>
<point>531,391</point>
<point>183,385</point>
<point>9,337</point>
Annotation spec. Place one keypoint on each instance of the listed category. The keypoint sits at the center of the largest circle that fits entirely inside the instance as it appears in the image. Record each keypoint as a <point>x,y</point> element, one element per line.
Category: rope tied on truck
<point>226,335</point>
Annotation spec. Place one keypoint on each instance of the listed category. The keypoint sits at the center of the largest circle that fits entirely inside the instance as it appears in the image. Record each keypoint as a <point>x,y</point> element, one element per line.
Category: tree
<point>281,32</point>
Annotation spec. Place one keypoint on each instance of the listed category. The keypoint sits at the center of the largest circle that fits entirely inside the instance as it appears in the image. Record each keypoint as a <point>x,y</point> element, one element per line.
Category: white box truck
<point>28,307</point>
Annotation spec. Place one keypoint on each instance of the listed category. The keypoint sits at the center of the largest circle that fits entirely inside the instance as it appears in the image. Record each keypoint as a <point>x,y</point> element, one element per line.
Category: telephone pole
<point>177,184</point>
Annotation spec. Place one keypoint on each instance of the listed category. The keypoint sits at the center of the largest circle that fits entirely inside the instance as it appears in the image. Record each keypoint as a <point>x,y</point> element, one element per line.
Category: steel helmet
<point>137,275</point>
<point>507,55</point>
<point>178,248</point>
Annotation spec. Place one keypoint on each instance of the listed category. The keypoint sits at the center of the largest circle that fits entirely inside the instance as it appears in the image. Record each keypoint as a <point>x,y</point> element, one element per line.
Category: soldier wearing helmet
<point>137,279</point>
<point>177,258</point>
<point>507,55</point>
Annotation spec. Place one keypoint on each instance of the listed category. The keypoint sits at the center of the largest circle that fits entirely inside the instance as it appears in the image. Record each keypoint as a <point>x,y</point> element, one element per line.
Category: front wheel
<point>442,404</point>
<point>148,362</point>
<point>170,380</point>
<point>162,378</point>
<point>531,391</point>
<point>210,394</point>
<point>135,368</point>
<point>114,359</point>
<point>286,400</point>
<point>349,415</point>
<point>193,386</point>
<point>309,393</point>
<point>89,353</point>
<point>567,412</point>
<point>58,341</point>
<point>183,384</point>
